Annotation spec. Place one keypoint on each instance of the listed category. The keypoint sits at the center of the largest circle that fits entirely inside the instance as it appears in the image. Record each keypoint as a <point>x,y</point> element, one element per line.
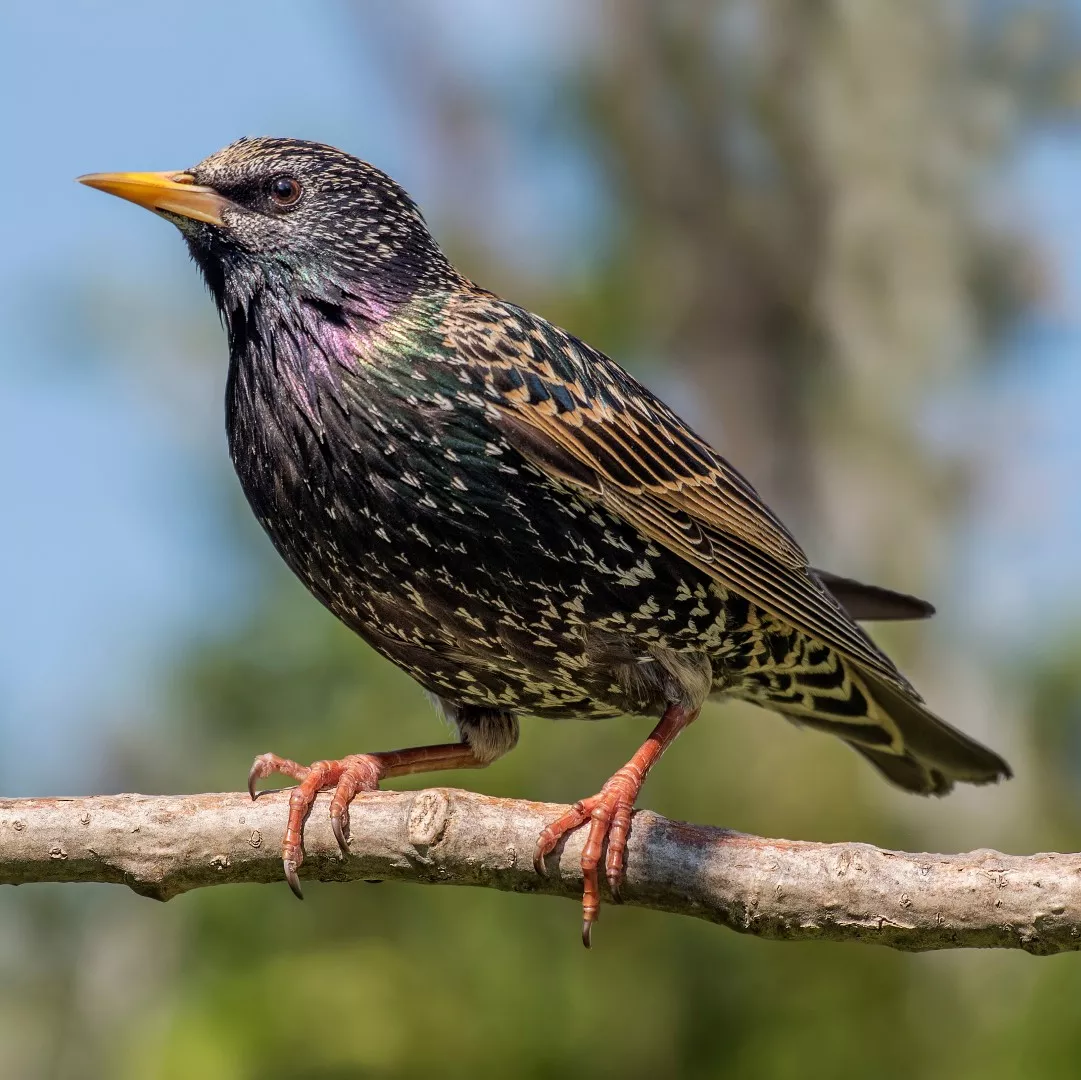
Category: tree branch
<point>161,846</point>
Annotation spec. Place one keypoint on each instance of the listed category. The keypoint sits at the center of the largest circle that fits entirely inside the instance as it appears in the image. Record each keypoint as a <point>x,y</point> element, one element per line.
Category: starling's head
<point>294,217</point>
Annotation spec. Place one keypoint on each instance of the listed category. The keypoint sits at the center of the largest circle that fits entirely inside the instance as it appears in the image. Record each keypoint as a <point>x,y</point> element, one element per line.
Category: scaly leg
<point>609,816</point>
<point>348,776</point>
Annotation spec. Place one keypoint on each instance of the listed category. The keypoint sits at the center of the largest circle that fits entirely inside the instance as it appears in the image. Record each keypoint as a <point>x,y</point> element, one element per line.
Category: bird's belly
<point>513,595</point>
<point>563,614</point>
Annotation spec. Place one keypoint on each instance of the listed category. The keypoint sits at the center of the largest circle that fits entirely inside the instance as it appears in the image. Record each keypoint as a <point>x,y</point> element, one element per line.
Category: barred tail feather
<point>934,743</point>
<point>905,771</point>
<point>891,728</point>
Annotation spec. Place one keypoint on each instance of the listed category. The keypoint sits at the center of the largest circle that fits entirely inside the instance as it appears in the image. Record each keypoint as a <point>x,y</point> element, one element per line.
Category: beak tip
<point>96,180</point>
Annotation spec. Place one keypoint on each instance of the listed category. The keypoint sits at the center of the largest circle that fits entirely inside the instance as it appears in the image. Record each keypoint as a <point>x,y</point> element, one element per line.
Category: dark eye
<point>284,190</point>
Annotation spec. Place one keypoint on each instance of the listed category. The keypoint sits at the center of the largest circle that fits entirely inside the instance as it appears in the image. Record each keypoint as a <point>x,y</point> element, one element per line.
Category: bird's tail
<point>940,752</point>
<point>890,727</point>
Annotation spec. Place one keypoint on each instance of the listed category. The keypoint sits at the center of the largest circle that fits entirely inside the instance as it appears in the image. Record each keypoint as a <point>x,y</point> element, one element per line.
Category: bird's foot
<point>609,816</point>
<point>348,776</point>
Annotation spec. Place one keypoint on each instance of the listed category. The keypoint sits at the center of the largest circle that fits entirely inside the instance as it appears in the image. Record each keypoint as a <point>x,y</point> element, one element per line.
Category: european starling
<point>503,511</point>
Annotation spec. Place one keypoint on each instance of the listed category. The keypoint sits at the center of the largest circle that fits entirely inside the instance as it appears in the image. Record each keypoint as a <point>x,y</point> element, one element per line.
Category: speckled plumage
<point>500,509</point>
<point>453,553</point>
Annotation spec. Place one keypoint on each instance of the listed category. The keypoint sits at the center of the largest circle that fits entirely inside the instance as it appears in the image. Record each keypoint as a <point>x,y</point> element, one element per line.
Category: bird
<point>503,511</point>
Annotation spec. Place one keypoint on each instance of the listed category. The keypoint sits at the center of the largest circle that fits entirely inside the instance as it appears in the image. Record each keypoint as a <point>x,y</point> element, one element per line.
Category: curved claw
<point>538,860</point>
<point>253,779</point>
<point>291,877</point>
<point>613,887</point>
<point>339,834</point>
<point>587,933</point>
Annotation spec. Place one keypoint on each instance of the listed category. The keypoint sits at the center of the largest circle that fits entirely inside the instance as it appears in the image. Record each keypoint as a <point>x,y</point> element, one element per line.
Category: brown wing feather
<point>582,419</point>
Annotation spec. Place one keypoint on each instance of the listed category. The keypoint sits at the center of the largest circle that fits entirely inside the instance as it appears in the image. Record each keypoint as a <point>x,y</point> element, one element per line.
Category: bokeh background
<point>842,238</point>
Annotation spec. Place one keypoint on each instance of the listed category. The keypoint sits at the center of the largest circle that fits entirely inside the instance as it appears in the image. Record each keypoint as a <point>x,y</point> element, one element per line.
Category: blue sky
<point>108,553</point>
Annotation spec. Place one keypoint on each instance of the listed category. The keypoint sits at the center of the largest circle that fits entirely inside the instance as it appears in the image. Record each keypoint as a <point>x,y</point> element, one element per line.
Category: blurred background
<point>843,239</point>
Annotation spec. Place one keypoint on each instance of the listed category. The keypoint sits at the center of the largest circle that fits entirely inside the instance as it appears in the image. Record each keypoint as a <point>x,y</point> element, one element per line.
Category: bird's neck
<point>291,349</point>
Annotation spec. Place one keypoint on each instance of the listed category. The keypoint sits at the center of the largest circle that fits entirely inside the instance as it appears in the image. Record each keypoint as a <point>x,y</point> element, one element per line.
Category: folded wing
<point>584,421</point>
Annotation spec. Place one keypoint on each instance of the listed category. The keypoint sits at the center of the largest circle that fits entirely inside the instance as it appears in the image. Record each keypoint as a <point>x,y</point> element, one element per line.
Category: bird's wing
<point>583,420</point>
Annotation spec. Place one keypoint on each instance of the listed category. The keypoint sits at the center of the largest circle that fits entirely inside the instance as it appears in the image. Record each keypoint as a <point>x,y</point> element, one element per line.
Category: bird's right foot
<point>348,776</point>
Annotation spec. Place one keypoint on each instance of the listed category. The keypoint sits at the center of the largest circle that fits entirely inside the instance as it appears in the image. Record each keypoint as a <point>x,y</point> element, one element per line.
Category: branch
<point>161,846</point>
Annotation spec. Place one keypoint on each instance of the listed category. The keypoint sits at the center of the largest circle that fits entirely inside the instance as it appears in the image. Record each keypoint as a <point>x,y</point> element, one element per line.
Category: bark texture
<point>162,846</point>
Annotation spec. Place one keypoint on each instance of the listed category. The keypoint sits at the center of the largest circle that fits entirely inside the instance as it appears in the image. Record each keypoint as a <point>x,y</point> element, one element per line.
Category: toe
<point>591,858</point>
<point>617,846</point>
<point>339,811</point>
<point>359,772</point>
<point>267,765</point>
<point>609,814</point>
<point>301,799</point>
<point>550,836</point>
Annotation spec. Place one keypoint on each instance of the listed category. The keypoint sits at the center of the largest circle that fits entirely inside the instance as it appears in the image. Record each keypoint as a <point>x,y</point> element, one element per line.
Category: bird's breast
<point>422,530</point>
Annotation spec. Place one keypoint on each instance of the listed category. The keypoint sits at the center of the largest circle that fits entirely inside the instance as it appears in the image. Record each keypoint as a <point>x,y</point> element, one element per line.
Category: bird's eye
<point>284,190</point>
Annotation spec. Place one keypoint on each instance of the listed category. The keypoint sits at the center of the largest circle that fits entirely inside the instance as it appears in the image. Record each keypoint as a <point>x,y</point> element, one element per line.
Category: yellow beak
<point>168,192</point>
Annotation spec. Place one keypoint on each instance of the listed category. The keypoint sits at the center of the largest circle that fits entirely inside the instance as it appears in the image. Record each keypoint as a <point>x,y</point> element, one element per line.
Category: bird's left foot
<point>609,816</point>
<point>348,776</point>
